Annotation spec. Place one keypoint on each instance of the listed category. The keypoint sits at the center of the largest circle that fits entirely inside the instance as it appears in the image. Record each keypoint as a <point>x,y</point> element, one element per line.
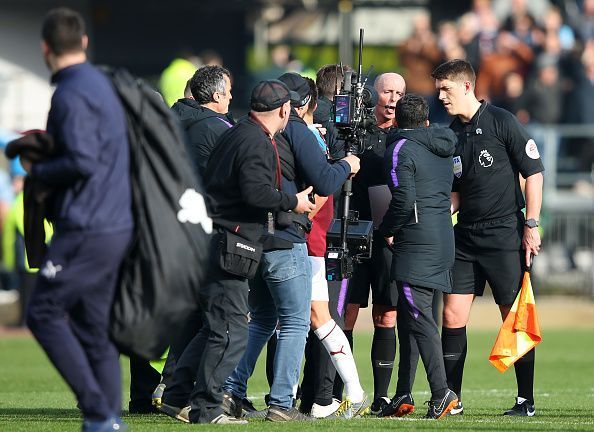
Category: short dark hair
<point>412,111</point>
<point>455,70</point>
<point>206,81</point>
<point>327,76</point>
<point>313,91</point>
<point>63,30</point>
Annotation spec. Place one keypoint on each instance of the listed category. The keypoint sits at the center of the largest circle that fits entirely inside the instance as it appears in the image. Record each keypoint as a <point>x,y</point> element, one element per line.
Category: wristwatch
<point>531,223</point>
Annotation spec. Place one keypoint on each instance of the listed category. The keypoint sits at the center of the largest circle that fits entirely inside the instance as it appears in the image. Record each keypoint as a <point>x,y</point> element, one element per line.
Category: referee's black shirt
<point>492,149</point>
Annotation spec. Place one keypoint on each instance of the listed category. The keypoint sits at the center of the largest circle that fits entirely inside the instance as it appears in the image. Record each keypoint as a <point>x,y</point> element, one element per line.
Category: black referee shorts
<point>490,251</point>
<point>374,274</point>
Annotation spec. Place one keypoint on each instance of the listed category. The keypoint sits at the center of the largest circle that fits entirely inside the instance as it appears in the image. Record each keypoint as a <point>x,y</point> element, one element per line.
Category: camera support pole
<point>347,189</point>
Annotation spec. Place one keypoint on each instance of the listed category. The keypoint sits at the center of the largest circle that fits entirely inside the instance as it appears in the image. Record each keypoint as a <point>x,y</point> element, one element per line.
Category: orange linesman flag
<point>520,331</point>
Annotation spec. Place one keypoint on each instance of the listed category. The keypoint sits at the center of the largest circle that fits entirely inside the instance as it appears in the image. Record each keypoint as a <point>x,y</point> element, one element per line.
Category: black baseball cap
<point>299,85</point>
<point>268,95</point>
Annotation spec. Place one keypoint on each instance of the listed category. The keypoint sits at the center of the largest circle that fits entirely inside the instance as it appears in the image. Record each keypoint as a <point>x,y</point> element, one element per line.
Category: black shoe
<point>439,408</point>
<point>378,405</point>
<point>399,406</point>
<point>178,413</point>
<point>228,420</point>
<point>232,405</point>
<point>280,414</point>
<point>258,414</point>
<point>142,407</point>
<point>247,406</point>
<point>458,409</point>
<point>522,408</point>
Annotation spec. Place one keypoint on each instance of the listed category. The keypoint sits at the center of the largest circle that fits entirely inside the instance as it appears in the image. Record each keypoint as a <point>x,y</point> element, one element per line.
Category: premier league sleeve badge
<point>457,166</point>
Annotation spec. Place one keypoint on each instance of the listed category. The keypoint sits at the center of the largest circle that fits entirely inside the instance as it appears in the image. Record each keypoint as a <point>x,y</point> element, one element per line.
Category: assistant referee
<point>494,239</point>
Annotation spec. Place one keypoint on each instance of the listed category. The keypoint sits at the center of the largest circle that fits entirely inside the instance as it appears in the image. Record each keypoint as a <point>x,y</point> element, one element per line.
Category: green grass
<point>34,398</point>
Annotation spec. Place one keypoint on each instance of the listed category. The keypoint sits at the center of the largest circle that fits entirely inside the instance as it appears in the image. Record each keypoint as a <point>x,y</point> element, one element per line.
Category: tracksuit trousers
<point>415,309</point>
<point>69,314</point>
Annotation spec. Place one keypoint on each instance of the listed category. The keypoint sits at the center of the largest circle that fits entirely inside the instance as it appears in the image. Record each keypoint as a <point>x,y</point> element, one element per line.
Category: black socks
<point>383,352</point>
<point>524,369</point>
<point>453,344</point>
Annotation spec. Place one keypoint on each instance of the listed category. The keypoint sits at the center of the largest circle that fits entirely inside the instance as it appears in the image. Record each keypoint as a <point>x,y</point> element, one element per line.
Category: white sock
<point>337,345</point>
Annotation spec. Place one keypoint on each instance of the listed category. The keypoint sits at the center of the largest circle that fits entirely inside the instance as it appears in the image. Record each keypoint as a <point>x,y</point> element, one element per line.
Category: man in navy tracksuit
<point>418,224</point>
<point>70,306</point>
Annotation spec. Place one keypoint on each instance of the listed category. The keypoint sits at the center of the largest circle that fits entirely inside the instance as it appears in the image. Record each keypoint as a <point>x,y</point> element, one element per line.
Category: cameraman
<point>329,78</point>
<point>281,291</point>
<point>375,272</point>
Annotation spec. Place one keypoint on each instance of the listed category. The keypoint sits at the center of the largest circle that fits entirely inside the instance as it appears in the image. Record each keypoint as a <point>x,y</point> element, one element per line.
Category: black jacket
<point>371,172</point>
<point>35,146</point>
<point>203,127</point>
<point>241,180</point>
<point>419,171</point>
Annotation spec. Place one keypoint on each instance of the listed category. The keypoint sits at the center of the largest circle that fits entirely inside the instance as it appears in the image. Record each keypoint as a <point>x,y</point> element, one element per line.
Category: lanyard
<point>273,142</point>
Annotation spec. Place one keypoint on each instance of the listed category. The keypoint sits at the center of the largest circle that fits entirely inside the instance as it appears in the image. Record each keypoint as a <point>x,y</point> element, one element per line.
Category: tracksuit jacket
<point>203,127</point>
<point>419,171</point>
<point>90,171</point>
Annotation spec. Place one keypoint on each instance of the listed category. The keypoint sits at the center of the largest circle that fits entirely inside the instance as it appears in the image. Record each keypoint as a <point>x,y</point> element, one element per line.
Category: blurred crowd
<point>541,68</point>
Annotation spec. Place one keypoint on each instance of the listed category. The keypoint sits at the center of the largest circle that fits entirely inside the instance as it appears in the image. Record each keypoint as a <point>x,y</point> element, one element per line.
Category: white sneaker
<point>321,411</point>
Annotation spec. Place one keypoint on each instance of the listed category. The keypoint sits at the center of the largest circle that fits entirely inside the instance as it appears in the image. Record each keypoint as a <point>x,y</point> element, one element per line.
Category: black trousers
<point>415,313</point>
<point>143,380</point>
<point>180,342</point>
<point>215,351</point>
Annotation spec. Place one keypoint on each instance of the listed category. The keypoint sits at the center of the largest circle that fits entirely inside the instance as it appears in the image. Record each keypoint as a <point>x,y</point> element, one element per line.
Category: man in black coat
<point>204,115</point>
<point>418,169</point>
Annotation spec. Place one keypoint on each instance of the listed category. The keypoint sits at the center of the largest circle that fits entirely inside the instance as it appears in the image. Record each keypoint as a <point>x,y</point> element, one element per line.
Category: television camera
<point>350,239</point>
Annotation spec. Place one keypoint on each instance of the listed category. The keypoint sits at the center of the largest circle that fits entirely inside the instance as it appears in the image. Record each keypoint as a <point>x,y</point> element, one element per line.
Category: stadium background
<point>261,38</point>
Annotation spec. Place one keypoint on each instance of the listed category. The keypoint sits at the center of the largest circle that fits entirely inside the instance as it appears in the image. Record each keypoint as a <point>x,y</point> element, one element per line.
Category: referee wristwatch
<point>531,223</point>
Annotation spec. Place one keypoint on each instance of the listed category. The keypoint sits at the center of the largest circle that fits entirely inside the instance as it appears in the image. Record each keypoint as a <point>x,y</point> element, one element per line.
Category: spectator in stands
<point>544,94</point>
<point>488,27</point>
<point>553,23</point>
<point>511,55</point>
<point>513,98</point>
<point>584,22</point>
<point>449,43</point>
<point>468,34</point>
<point>419,54</point>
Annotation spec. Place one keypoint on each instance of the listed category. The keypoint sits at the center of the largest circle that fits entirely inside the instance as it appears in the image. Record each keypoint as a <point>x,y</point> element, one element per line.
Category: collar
<point>67,72</point>
<point>477,115</point>
<point>259,123</point>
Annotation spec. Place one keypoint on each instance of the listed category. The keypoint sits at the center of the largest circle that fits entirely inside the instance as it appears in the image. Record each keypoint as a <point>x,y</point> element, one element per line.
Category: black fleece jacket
<point>241,180</point>
<point>203,127</point>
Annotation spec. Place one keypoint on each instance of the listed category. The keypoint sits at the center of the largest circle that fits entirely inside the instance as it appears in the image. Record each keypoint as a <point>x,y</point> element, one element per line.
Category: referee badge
<point>485,159</point>
<point>458,166</point>
<point>532,150</point>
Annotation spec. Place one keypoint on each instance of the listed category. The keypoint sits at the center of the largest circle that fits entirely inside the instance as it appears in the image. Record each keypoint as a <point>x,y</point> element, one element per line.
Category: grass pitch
<point>34,398</point>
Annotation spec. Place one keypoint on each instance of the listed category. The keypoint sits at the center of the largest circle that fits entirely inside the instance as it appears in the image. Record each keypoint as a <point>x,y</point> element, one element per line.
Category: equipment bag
<point>167,260</point>
<point>239,256</point>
